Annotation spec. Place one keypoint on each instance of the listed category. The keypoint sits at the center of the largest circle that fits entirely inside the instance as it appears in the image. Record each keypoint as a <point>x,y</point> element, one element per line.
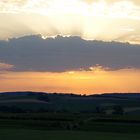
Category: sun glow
<point>90,19</point>
<point>62,7</point>
<point>86,82</point>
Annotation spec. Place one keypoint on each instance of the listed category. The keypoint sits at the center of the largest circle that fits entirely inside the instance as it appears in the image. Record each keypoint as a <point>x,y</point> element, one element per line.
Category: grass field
<point>66,117</point>
<point>21,134</point>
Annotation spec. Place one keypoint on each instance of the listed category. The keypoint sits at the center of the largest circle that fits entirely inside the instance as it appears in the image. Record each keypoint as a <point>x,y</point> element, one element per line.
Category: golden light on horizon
<point>83,82</point>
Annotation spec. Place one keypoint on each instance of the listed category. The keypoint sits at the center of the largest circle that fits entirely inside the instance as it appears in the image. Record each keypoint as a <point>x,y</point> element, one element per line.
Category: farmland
<point>55,116</point>
<point>11,134</point>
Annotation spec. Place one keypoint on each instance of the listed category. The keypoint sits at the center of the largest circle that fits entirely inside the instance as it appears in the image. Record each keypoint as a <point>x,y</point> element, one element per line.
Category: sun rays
<point>93,19</point>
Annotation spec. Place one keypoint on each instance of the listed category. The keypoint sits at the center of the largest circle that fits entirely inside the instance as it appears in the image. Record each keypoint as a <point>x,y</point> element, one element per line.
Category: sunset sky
<point>72,46</point>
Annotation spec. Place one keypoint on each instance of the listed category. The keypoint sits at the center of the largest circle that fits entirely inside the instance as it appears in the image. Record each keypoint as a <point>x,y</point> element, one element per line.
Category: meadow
<point>33,116</point>
<point>27,134</point>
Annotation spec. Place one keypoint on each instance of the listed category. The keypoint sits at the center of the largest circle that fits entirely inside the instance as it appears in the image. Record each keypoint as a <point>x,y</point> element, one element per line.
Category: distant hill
<point>44,102</point>
<point>29,93</point>
<point>120,95</point>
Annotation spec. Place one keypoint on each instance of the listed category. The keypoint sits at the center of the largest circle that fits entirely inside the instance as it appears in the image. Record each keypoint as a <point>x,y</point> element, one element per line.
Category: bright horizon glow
<point>98,80</point>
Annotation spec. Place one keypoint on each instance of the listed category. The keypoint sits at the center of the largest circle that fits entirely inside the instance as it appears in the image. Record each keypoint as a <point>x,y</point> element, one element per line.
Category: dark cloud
<point>32,53</point>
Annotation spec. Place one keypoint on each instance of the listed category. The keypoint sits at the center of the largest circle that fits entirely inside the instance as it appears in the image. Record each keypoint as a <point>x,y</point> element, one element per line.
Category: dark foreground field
<point>63,126</point>
<point>40,116</point>
<point>22,134</point>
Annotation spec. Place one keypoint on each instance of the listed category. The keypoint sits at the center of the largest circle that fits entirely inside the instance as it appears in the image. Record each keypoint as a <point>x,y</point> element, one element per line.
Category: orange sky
<point>84,82</point>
